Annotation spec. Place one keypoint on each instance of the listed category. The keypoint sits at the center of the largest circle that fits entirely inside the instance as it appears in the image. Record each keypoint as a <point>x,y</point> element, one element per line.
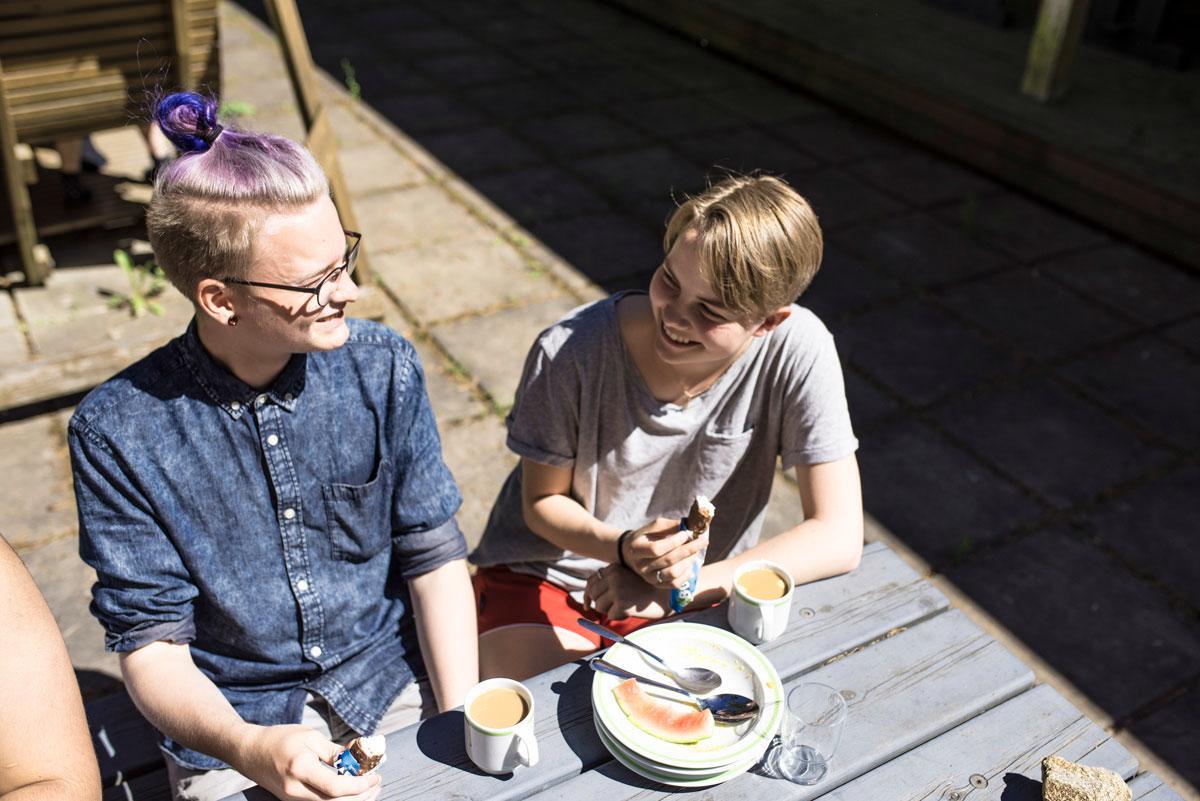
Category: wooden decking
<point>1121,148</point>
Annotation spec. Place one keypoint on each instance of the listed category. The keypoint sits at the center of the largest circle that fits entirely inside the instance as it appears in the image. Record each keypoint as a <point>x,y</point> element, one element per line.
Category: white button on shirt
<point>235,405</point>
<point>272,440</point>
<point>315,651</point>
<point>302,585</point>
<point>289,513</point>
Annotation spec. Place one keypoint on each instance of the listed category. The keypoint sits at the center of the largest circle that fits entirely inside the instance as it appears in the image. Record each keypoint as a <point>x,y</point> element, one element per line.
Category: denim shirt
<point>271,531</point>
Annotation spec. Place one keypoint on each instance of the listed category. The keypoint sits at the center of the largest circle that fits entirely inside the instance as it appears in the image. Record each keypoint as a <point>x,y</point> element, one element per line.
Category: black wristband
<point>621,548</point>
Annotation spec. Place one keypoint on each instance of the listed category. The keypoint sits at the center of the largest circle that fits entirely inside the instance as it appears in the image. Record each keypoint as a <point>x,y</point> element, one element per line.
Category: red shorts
<point>506,598</point>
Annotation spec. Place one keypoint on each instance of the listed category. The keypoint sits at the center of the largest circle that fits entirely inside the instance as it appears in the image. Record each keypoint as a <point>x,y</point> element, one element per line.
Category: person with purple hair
<point>264,498</point>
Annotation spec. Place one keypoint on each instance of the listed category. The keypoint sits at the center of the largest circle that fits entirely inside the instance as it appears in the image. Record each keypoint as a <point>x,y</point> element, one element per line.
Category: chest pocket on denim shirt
<point>359,517</point>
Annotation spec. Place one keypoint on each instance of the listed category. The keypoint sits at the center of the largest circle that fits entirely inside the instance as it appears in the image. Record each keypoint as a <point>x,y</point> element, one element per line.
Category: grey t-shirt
<point>583,404</point>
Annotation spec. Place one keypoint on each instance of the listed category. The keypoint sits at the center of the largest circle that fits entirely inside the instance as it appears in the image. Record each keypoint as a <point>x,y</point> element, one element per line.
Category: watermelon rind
<point>663,719</point>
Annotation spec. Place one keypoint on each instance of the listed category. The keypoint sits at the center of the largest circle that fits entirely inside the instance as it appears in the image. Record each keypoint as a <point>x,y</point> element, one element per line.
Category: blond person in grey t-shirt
<point>631,406</point>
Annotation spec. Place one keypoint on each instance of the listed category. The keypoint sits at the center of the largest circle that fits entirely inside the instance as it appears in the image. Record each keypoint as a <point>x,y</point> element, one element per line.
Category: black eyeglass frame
<point>333,275</point>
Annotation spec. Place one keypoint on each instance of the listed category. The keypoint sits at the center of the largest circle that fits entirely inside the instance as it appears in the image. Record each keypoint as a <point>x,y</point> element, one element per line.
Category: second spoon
<point>693,679</point>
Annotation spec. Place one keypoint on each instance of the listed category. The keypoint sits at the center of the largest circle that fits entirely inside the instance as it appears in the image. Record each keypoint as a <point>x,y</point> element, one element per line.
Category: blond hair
<point>209,203</point>
<point>760,243</point>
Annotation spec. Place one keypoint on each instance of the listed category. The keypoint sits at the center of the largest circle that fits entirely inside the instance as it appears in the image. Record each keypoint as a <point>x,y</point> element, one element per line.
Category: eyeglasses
<point>324,289</point>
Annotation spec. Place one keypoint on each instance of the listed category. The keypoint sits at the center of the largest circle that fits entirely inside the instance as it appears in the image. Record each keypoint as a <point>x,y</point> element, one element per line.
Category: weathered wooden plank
<point>1149,787</point>
<point>996,756</point>
<point>830,618</point>
<point>901,693</point>
<point>125,744</point>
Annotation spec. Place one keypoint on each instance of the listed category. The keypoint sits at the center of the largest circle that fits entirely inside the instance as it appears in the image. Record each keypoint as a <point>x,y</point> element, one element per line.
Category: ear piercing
<point>233,319</point>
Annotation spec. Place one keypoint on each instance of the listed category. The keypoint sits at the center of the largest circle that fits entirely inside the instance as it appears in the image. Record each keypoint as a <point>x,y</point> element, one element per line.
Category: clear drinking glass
<point>812,730</point>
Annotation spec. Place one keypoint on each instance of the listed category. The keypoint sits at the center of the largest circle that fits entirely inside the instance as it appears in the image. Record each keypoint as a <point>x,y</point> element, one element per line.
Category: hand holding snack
<point>661,553</point>
<point>293,762</point>
<point>696,523</point>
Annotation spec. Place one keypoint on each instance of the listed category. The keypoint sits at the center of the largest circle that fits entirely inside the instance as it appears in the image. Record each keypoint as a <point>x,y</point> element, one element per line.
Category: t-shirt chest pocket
<point>358,517</point>
<point>719,455</point>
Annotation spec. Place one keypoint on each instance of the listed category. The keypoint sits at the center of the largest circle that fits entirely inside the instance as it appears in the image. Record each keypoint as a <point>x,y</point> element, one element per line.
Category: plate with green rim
<point>743,668</point>
<point>660,774</point>
<point>683,774</point>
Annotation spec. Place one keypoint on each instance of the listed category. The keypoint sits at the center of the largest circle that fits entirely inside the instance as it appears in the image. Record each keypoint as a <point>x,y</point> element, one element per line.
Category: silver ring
<point>658,576</point>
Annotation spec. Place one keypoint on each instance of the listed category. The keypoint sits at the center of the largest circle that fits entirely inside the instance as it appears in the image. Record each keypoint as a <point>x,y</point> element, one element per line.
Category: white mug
<point>499,751</point>
<point>756,619</point>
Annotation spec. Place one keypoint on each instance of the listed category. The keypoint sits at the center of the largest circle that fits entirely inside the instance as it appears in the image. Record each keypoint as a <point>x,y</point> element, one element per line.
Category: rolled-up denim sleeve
<point>143,593</point>
<point>425,534</point>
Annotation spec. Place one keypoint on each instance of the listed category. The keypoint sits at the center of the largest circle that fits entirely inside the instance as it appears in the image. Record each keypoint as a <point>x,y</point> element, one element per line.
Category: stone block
<point>840,140</point>
<point>351,130</point>
<point>579,133</point>
<point>922,179</point>
<point>516,32</point>
<point>513,101</point>
<point>1022,228</point>
<point>919,250</point>
<point>918,351</point>
<point>540,193</point>
<point>430,279</point>
<point>841,200</point>
<point>424,40</point>
<point>1108,632</point>
<point>1050,441</point>
<point>636,175</point>
<point>450,393</point>
<point>37,496</point>
<point>65,581</point>
<point>846,284</point>
<point>869,406</point>
<point>427,112</point>
<point>477,456</point>
<point>373,167</point>
<point>602,246</point>
<point>671,117</point>
<point>1033,314</point>
<point>492,347</point>
<point>744,150</point>
<point>1148,289</point>
<point>410,217</point>
<point>933,495</point>
<point>621,85</point>
<point>764,102</point>
<point>480,151</point>
<point>1150,381</point>
<point>567,57</point>
<point>471,67</point>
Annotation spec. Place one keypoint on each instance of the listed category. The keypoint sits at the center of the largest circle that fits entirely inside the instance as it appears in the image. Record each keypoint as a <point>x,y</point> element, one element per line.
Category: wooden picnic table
<point>937,710</point>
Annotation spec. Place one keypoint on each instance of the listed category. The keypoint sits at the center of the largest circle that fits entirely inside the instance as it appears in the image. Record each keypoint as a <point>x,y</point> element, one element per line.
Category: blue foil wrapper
<point>347,765</point>
<point>682,596</point>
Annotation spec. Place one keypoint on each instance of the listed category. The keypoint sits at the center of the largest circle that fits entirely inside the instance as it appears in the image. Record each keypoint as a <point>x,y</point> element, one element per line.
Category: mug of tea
<point>499,726</point>
<point>761,601</point>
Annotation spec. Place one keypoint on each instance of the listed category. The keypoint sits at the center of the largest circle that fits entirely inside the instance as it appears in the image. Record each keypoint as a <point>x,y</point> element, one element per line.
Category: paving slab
<point>422,40</point>
<point>670,117</point>
<point>450,393</point>
<point>784,507</point>
<point>514,101</point>
<point>408,217</point>
<point>1062,447</point>
<point>922,179</point>
<point>941,501</point>
<point>1185,334</point>
<point>846,284</point>
<point>427,112</point>
<point>634,175</point>
<point>540,193</point>
<point>603,246</point>
<point>869,406</point>
<point>1023,228</point>
<point>519,30</point>
<point>1111,634</point>
<point>1033,314</point>
<point>376,166</point>
<point>920,352</point>
<point>480,151</point>
<point>13,349</point>
<point>36,495</point>
<point>768,102</point>
<point>579,133</point>
<point>745,150</point>
<point>65,581</point>
<point>1154,527</point>
<point>477,456</point>
<point>1172,734</point>
<point>837,139</point>
<point>471,67</point>
<point>842,200</point>
<point>1151,381</point>
<point>492,347</point>
<point>620,85</point>
<point>919,250</point>
<point>1146,288</point>
<point>569,58</point>
<point>432,280</point>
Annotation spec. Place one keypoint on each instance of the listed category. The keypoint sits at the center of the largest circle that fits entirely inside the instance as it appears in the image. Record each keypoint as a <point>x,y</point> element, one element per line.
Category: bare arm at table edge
<point>552,514</point>
<point>828,543</point>
<point>444,607</point>
<point>41,712</point>
<point>185,705</point>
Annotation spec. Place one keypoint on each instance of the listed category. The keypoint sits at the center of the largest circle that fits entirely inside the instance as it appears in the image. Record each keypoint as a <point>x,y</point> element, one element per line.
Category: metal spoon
<point>696,679</point>
<point>725,708</point>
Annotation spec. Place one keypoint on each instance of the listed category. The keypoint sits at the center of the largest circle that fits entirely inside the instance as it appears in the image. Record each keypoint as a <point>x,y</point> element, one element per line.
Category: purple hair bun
<point>189,120</point>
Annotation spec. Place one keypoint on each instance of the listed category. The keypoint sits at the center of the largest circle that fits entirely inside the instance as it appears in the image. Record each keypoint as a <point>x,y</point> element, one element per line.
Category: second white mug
<point>757,619</point>
<point>500,750</point>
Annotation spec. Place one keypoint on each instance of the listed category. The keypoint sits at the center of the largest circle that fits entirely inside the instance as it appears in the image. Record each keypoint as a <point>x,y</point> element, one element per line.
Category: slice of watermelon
<point>675,723</point>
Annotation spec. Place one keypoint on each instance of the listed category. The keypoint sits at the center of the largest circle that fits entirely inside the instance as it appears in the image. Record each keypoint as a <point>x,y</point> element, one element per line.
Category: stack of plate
<point>731,750</point>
